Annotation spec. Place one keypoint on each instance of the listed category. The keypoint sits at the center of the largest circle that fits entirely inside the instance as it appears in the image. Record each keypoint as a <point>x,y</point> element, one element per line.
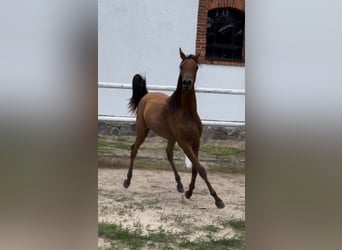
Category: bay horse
<point>174,118</point>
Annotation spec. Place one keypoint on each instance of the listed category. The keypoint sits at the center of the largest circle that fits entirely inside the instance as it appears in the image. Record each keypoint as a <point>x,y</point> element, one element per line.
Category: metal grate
<point>225,34</point>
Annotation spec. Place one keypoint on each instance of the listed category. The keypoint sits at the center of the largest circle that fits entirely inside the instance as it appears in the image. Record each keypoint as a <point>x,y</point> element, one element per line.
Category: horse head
<point>188,70</point>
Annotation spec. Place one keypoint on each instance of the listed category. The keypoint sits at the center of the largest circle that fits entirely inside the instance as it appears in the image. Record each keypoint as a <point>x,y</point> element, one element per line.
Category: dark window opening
<point>225,34</point>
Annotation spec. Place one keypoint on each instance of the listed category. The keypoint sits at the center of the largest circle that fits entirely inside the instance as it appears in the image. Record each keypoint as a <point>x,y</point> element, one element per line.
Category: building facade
<point>145,36</point>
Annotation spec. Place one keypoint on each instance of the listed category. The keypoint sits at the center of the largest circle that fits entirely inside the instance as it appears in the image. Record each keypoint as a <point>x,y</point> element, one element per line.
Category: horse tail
<point>139,90</point>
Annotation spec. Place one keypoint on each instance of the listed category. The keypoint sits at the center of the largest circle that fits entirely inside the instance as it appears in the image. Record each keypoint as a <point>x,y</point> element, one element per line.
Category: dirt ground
<point>152,202</point>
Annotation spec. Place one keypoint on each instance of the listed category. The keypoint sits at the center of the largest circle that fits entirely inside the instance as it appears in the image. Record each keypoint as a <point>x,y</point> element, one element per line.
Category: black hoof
<point>188,194</point>
<point>126,183</point>
<point>180,188</point>
<point>219,204</point>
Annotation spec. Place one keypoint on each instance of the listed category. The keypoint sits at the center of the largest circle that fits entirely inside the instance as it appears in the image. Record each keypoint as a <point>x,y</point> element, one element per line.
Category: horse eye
<point>197,67</point>
<point>181,67</point>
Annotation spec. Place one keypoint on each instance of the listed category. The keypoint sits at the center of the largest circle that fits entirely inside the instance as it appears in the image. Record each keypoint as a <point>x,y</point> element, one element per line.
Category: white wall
<point>144,37</point>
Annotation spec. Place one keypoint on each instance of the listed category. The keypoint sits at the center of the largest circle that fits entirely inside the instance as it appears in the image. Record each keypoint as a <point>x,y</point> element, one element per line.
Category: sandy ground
<point>152,202</point>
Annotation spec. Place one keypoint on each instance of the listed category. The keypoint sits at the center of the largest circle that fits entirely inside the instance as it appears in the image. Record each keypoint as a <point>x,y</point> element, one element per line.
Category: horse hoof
<point>219,204</point>
<point>126,183</point>
<point>188,194</point>
<point>180,188</point>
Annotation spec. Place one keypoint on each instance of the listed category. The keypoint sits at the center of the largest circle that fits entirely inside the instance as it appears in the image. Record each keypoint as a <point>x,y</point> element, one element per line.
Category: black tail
<point>139,90</point>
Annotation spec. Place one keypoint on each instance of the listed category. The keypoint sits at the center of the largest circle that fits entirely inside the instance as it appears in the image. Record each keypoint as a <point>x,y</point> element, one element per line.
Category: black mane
<point>191,56</point>
<point>175,98</point>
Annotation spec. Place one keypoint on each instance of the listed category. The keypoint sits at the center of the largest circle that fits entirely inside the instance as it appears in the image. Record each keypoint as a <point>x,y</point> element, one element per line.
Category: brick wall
<point>203,8</point>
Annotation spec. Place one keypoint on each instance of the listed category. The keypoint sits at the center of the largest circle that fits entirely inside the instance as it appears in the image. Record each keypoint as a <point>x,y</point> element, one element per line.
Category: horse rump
<point>138,91</point>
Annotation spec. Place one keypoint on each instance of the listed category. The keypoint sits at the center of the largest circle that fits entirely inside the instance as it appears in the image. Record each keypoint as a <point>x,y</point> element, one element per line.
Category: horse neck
<point>182,101</point>
<point>188,102</point>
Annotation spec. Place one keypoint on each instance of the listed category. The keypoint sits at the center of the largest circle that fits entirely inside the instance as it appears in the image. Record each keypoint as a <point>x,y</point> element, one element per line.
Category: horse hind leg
<point>169,152</point>
<point>140,138</point>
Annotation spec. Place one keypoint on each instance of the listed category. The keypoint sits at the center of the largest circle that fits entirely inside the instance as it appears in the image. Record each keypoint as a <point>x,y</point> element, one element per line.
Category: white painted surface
<point>204,122</point>
<point>112,85</point>
<point>144,37</point>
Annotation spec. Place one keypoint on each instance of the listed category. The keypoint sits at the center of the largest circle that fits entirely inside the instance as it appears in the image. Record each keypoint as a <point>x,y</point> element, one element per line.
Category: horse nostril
<point>187,82</point>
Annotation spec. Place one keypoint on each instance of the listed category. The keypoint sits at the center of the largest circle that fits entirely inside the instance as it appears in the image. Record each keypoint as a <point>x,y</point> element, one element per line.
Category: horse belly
<point>158,125</point>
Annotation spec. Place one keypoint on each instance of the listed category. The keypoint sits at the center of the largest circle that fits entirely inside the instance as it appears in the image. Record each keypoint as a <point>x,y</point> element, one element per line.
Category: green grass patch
<point>139,163</point>
<point>221,151</point>
<point>114,153</point>
<point>238,225</point>
<point>229,170</point>
<point>133,239</point>
<point>219,244</point>
<point>110,162</point>
<point>117,232</point>
<point>107,146</point>
<point>211,228</point>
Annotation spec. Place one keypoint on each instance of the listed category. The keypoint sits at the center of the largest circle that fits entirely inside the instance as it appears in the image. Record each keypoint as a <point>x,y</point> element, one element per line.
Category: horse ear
<point>182,55</point>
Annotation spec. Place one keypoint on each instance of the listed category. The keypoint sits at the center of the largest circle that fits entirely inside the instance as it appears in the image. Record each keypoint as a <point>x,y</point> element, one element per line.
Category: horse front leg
<point>201,170</point>
<point>195,149</point>
<point>169,152</point>
<point>188,193</point>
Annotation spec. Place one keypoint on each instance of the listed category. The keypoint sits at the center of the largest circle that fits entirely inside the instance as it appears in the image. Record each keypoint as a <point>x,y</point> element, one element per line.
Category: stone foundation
<point>209,132</point>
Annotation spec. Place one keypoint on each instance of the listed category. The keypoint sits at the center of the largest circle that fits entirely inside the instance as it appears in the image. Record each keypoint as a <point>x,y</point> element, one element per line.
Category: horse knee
<point>169,155</point>
<point>202,172</point>
<point>134,151</point>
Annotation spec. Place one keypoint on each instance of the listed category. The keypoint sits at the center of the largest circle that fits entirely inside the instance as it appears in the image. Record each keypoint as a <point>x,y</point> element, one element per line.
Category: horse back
<point>153,103</point>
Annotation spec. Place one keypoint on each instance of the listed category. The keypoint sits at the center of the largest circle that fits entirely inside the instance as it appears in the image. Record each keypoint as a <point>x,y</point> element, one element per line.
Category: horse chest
<point>187,125</point>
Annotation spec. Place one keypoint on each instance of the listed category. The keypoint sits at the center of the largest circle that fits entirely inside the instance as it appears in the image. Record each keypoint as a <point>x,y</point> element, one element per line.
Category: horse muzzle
<point>187,84</point>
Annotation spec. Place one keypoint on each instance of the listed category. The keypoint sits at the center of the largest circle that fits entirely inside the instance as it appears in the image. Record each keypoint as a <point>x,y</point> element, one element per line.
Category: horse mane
<point>191,56</point>
<point>175,98</point>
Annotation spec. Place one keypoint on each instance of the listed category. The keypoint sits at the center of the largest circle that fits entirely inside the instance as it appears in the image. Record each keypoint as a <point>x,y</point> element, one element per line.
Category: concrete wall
<point>144,37</point>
